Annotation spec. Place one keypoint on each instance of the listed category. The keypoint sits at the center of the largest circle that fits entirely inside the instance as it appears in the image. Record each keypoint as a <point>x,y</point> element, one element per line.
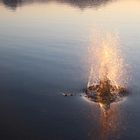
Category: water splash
<point>106,61</point>
<point>108,74</point>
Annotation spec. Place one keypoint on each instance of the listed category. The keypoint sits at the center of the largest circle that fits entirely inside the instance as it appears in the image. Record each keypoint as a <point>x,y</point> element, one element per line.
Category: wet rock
<point>104,93</point>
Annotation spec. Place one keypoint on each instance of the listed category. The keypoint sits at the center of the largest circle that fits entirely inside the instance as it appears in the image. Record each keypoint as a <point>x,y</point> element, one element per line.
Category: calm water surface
<point>43,45</point>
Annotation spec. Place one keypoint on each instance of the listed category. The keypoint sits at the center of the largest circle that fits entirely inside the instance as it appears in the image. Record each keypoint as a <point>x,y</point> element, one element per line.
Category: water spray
<point>107,79</point>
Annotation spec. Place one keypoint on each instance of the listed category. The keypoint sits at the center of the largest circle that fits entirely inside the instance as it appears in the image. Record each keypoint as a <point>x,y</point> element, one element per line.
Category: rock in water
<point>104,93</point>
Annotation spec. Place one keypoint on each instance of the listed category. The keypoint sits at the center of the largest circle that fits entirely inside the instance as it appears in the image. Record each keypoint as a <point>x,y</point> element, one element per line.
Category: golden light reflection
<point>109,123</point>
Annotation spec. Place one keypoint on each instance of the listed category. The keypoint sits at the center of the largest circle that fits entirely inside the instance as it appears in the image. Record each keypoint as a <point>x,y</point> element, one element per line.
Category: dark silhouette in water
<point>104,93</point>
<point>77,3</point>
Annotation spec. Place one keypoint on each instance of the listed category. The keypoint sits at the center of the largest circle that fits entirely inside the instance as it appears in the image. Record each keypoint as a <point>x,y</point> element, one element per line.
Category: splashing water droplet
<point>108,76</point>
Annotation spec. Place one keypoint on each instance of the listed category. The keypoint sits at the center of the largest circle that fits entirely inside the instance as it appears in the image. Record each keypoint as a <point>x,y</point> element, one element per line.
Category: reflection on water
<point>78,3</point>
<point>41,48</point>
<point>110,124</point>
<point>109,127</point>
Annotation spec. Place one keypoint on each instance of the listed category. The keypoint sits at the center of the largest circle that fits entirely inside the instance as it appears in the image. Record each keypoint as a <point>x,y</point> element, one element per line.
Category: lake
<point>43,53</point>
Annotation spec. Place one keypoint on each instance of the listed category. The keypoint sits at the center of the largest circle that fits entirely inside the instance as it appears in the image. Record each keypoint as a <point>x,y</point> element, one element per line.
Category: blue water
<point>43,52</point>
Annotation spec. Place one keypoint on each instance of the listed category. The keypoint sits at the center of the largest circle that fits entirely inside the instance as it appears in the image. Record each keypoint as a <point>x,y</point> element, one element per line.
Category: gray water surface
<point>43,46</point>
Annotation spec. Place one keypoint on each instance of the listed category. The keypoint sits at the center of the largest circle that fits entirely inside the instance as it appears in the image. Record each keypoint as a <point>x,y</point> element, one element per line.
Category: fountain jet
<point>107,80</point>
